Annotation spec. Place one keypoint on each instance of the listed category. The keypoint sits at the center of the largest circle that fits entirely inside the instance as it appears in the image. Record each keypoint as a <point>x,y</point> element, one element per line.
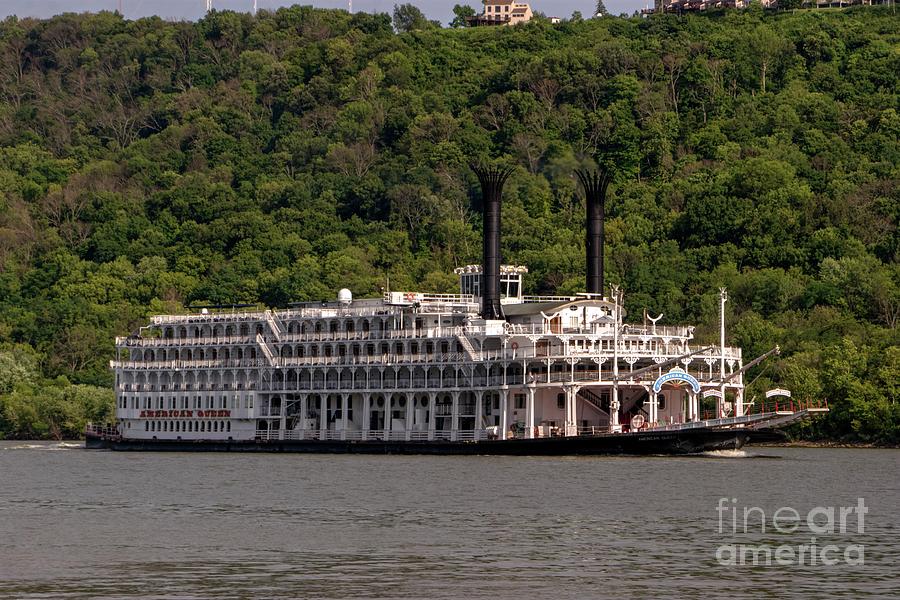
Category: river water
<point>95,524</point>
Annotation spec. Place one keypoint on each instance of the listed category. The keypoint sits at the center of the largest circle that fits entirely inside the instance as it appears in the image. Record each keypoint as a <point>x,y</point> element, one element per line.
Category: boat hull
<point>689,441</point>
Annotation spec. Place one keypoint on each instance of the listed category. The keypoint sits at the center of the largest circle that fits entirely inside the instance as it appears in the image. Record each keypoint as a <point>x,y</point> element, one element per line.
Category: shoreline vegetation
<point>149,165</point>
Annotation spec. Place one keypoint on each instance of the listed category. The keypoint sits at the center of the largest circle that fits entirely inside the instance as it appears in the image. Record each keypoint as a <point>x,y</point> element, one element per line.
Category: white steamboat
<point>488,370</point>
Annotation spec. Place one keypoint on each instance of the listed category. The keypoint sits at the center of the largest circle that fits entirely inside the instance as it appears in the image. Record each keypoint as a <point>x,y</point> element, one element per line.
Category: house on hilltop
<point>502,12</point>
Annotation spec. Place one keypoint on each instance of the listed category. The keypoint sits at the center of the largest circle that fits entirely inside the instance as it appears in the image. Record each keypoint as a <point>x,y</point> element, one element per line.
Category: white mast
<point>350,6</point>
<point>254,7</point>
<point>208,5</point>
<point>614,404</point>
<point>723,298</point>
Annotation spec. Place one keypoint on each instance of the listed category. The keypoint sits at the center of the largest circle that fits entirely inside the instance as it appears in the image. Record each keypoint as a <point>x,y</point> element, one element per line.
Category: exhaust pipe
<point>595,184</point>
<point>492,180</point>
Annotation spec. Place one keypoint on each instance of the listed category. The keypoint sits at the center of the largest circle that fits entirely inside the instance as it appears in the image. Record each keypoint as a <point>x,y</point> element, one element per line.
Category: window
<point>519,400</point>
<point>661,402</point>
<point>471,282</point>
<point>560,401</point>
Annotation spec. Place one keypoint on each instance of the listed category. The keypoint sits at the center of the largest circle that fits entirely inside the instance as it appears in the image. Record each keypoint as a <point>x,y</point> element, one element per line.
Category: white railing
<point>723,422</point>
<point>424,299</point>
<point>187,387</point>
<point>449,380</point>
<point>533,299</point>
<point>462,435</point>
<point>563,342</point>
<point>219,340</point>
<point>593,430</point>
<point>555,352</point>
<point>628,332</point>
<point>189,364</point>
<point>215,317</point>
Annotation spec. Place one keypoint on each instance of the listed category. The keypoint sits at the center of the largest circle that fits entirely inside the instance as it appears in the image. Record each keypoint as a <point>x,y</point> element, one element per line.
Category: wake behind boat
<point>486,371</point>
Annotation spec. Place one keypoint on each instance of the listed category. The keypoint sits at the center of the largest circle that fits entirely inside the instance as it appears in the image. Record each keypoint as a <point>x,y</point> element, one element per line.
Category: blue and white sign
<point>676,376</point>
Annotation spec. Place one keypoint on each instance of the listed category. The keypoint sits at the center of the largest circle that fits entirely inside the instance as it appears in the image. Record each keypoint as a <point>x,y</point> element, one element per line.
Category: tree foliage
<point>460,12</point>
<point>408,17</point>
<point>147,165</point>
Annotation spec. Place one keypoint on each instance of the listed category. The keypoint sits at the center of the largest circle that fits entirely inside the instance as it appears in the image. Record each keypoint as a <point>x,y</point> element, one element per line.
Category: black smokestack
<point>492,180</point>
<point>595,184</point>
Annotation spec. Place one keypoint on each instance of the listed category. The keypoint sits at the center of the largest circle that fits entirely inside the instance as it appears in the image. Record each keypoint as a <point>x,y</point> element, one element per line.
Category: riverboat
<point>488,370</point>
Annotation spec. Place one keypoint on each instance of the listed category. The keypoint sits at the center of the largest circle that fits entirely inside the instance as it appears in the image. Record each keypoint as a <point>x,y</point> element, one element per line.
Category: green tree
<point>408,17</point>
<point>460,13</point>
<point>276,159</point>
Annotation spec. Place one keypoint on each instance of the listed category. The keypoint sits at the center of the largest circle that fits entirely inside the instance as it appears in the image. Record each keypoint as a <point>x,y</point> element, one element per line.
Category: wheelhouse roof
<point>536,308</point>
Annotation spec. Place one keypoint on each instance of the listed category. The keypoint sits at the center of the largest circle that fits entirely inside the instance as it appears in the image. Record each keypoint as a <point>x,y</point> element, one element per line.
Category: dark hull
<point>689,441</point>
<point>766,436</point>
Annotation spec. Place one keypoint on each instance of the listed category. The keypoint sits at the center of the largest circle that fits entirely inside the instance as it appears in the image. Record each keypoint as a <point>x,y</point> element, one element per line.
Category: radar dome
<point>345,296</point>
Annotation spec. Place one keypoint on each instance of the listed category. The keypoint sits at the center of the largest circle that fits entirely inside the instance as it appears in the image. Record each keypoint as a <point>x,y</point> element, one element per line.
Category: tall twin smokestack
<point>492,180</point>
<point>595,184</point>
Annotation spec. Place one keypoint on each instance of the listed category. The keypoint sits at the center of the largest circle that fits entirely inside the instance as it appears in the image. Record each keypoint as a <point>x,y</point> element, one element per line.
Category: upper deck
<point>409,327</point>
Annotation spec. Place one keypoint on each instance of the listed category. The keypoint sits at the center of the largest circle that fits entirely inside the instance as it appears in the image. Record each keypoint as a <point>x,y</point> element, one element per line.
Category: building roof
<point>536,308</point>
<point>533,308</point>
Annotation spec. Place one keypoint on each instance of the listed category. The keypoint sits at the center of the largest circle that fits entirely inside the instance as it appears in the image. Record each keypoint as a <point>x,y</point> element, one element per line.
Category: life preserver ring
<point>637,421</point>
<point>409,296</point>
<point>514,346</point>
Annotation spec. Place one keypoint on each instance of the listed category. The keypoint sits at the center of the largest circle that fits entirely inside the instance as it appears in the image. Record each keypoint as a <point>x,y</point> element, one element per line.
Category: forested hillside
<point>146,165</point>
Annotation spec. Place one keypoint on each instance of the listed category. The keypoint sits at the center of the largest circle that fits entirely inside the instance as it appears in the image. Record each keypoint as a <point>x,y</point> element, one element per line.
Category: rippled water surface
<point>92,524</point>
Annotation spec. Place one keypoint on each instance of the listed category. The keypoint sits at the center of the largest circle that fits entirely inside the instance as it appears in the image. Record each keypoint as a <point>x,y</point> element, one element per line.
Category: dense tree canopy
<point>146,165</point>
